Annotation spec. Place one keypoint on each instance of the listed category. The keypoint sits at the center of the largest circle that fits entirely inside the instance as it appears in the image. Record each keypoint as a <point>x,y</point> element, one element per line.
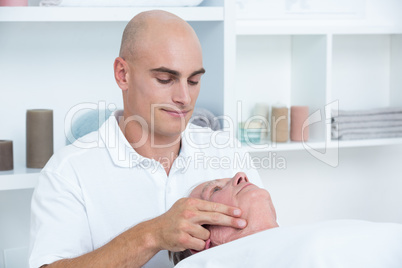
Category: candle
<point>39,133</point>
<point>6,155</point>
<point>280,124</point>
<point>298,115</point>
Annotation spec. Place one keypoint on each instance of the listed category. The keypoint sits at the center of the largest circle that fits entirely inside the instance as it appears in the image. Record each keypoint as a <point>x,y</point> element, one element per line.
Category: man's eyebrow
<point>200,71</point>
<point>165,70</point>
<point>176,73</point>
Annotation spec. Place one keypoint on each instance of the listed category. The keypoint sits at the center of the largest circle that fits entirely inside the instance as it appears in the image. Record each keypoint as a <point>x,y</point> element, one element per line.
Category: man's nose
<point>239,178</point>
<point>181,95</point>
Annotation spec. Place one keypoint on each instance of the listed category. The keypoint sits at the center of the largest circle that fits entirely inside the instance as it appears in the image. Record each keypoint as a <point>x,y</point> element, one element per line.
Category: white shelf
<point>370,142</point>
<point>286,27</point>
<point>93,14</point>
<point>19,178</point>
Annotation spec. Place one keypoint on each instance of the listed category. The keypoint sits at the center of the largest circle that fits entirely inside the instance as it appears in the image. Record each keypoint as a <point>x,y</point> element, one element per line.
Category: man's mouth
<point>176,113</point>
<point>244,186</point>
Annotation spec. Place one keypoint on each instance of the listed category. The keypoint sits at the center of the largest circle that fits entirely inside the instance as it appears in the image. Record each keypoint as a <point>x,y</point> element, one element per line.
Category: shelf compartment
<point>364,71</point>
<point>286,69</point>
<point>81,14</point>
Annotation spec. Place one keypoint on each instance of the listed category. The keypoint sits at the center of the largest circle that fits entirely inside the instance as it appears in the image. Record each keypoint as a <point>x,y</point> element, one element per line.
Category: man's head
<point>255,203</point>
<point>159,71</point>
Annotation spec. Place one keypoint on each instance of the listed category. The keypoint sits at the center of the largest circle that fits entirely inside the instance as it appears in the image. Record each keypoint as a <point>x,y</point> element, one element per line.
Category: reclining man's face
<point>255,203</point>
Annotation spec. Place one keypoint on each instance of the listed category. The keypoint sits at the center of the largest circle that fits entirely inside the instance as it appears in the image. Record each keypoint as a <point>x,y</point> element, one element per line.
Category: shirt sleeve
<point>59,225</point>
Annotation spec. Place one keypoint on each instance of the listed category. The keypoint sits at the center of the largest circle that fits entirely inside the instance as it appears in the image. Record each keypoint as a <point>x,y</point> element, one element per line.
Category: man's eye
<point>193,83</point>
<point>215,189</point>
<point>164,81</point>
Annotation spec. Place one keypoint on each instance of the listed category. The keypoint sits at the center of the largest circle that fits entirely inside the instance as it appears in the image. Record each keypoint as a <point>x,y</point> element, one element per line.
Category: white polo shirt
<point>98,187</point>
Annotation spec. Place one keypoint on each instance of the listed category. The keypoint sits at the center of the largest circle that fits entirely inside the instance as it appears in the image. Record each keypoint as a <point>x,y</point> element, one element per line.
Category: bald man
<point>117,204</point>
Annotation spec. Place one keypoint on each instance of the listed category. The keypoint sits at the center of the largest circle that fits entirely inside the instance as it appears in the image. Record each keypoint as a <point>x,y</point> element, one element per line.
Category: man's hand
<point>181,227</point>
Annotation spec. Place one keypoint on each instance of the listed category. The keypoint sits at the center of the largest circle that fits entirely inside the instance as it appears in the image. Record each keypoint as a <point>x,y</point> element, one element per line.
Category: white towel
<point>370,132</point>
<point>368,118</point>
<point>365,136</point>
<point>377,111</point>
<point>368,124</point>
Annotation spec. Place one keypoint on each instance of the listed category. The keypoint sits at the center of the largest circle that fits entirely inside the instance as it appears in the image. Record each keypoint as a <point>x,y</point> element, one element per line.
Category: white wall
<point>366,185</point>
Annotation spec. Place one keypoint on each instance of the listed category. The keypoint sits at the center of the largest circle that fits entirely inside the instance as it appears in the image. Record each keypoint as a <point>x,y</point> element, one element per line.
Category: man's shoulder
<point>75,152</point>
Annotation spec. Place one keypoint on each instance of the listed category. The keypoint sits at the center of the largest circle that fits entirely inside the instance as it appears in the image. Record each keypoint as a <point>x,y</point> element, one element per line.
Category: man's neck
<point>161,148</point>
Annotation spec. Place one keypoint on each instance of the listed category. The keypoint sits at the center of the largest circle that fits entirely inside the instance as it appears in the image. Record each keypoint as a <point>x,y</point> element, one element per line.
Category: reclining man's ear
<point>207,246</point>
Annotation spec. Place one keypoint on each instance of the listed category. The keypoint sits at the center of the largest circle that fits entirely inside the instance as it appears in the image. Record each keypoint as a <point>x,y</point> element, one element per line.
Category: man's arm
<point>178,229</point>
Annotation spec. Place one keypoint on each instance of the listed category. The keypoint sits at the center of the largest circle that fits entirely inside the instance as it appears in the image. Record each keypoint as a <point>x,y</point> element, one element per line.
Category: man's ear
<point>120,67</point>
<point>207,246</point>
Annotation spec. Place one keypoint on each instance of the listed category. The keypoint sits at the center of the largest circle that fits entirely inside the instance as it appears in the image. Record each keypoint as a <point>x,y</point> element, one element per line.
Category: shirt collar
<point>121,151</point>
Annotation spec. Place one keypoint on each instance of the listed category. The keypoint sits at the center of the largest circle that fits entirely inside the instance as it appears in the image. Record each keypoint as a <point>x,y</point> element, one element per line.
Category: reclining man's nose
<point>239,178</point>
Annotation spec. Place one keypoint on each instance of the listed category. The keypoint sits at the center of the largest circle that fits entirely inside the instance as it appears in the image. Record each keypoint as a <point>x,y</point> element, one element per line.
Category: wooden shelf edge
<point>99,14</point>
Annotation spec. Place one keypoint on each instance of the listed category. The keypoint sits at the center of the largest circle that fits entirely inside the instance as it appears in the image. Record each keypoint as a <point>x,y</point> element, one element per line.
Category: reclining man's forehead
<point>200,190</point>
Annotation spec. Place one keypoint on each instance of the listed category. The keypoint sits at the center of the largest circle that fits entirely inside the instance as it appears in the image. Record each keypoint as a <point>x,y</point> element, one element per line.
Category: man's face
<point>164,80</point>
<point>255,203</point>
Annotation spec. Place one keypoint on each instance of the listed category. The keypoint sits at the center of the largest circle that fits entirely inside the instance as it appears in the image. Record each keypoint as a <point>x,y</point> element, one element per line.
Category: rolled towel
<point>280,124</point>
<point>86,123</point>
<point>298,117</point>
<point>204,118</point>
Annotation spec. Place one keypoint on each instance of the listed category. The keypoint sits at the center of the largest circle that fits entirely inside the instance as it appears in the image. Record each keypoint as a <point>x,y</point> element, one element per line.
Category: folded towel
<point>117,3</point>
<point>377,111</point>
<point>368,124</point>
<point>47,3</point>
<point>204,118</point>
<point>368,118</point>
<point>363,136</point>
<point>366,131</point>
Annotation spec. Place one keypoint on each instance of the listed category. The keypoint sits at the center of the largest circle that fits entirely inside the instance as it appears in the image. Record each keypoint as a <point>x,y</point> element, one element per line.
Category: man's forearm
<point>133,248</point>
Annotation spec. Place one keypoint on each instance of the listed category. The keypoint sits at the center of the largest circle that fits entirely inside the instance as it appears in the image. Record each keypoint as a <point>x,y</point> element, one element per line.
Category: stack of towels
<point>367,124</point>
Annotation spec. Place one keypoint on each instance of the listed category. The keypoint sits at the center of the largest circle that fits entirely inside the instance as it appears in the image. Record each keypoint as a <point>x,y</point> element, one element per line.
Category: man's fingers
<point>218,207</point>
<point>195,243</point>
<point>199,232</point>
<point>216,218</point>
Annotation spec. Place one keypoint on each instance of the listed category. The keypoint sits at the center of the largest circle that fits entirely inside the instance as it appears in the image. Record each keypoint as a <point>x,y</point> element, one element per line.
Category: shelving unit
<point>315,64</point>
